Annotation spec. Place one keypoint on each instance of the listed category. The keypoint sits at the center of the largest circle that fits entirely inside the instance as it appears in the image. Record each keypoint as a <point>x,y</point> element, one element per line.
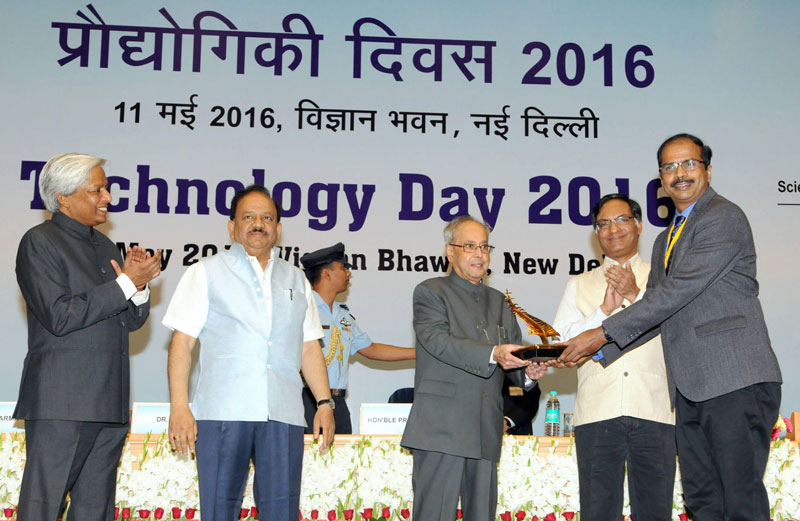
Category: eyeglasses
<point>471,247</point>
<point>687,164</point>
<point>622,220</point>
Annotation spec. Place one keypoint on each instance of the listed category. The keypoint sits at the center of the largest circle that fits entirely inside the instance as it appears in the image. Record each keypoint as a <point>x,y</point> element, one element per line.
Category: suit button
<point>484,395</point>
<point>625,373</point>
<point>123,323</point>
<point>103,271</point>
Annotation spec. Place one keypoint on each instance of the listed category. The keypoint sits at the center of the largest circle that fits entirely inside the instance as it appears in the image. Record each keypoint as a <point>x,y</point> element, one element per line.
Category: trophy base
<point>540,352</point>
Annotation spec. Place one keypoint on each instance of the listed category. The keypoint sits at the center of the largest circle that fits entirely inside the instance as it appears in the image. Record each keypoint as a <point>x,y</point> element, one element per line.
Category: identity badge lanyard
<point>673,239</point>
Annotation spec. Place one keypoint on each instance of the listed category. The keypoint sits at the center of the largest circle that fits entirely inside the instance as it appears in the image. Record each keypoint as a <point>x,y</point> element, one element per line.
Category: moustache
<point>258,230</point>
<point>681,180</point>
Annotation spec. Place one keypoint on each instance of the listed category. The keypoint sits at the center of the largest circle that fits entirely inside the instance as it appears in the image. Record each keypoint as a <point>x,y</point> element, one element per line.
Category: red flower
<point>144,513</point>
<point>116,513</point>
<point>331,515</point>
<point>535,518</point>
<point>126,513</point>
<point>568,515</point>
<point>348,514</point>
<point>459,514</point>
<point>550,517</point>
<point>9,512</point>
<point>243,513</point>
<point>190,513</point>
<point>367,513</point>
<point>505,516</point>
<point>520,515</point>
<point>314,514</point>
<point>386,512</point>
<point>406,513</point>
<point>683,517</point>
<point>176,513</point>
<point>159,513</point>
<point>254,512</point>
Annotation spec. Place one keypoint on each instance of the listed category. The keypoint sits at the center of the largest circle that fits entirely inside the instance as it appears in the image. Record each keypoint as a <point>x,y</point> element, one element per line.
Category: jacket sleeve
<point>432,327</point>
<point>42,277</point>
<point>715,247</point>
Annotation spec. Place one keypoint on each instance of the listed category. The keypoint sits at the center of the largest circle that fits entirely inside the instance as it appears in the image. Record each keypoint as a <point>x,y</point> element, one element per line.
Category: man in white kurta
<point>622,413</point>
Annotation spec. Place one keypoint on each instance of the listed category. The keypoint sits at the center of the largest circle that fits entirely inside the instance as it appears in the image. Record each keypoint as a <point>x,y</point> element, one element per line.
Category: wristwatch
<point>327,401</point>
<point>605,334</point>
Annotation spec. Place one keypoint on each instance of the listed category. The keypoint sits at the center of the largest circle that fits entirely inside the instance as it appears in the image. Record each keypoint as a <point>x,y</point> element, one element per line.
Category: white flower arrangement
<point>376,473</point>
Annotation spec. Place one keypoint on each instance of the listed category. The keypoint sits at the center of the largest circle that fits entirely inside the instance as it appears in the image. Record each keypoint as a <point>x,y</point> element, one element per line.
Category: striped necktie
<point>674,233</point>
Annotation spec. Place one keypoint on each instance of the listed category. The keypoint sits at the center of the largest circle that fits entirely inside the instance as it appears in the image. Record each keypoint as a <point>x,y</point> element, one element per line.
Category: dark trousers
<point>723,446</point>
<point>341,414</point>
<point>605,447</point>
<point>439,479</point>
<point>224,450</point>
<point>70,456</point>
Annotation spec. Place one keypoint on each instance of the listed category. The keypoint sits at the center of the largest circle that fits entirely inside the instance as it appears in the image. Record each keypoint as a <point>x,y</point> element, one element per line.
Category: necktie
<point>674,233</point>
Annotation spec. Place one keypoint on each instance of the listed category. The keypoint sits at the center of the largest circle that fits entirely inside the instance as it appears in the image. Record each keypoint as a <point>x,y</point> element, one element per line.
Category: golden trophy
<point>550,348</point>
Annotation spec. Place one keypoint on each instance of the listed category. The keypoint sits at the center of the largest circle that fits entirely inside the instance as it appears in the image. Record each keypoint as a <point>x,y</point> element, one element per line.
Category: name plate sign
<point>7,423</point>
<point>383,418</point>
<point>150,417</point>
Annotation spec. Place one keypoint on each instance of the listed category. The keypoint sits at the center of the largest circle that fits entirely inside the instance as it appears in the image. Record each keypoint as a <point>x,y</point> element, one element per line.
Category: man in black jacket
<point>82,302</point>
<point>519,408</point>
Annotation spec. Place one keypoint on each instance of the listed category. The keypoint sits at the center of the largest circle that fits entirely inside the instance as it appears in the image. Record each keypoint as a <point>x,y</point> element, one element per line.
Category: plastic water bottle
<point>552,418</point>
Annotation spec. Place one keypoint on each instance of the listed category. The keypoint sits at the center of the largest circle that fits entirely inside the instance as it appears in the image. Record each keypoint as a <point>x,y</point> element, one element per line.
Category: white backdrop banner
<point>374,123</point>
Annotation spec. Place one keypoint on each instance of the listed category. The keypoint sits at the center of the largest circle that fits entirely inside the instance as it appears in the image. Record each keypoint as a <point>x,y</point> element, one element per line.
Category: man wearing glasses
<point>464,330</point>
<point>702,296</point>
<point>623,415</point>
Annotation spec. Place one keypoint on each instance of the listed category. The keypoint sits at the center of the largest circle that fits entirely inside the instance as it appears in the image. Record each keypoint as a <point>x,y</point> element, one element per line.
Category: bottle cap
<point>553,393</point>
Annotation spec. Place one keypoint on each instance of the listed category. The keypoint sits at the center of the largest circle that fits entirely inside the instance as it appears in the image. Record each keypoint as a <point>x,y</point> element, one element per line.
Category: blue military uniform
<point>342,339</point>
<point>348,339</point>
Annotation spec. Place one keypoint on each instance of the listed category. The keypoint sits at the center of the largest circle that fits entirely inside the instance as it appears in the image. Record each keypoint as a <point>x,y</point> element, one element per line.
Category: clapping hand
<point>139,266</point>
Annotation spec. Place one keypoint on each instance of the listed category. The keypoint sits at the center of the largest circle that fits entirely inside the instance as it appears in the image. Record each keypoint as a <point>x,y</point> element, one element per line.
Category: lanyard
<point>673,241</point>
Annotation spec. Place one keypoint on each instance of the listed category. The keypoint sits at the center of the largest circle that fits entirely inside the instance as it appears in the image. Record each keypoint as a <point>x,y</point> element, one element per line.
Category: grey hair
<point>63,174</point>
<point>452,226</point>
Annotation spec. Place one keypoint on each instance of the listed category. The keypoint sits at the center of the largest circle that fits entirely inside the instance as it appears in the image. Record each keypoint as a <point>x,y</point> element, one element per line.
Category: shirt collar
<point>687,211</point>
<point>608,261</point>
<point>73,226</point>
<point>464,283</point>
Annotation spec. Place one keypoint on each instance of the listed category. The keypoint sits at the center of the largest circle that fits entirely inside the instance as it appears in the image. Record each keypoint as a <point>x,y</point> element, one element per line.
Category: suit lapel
<point>659,247</point>
<point>683,242</point>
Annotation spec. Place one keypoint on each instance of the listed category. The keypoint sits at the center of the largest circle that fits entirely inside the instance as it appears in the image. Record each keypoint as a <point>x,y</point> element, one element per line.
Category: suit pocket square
<point>437,387</point>
<point>721,324</point>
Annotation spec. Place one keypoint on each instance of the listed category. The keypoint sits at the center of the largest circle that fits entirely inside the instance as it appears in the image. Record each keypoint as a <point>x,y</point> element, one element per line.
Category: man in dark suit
<point>81,305</point>
<point>519,408</point>
<point>702,295</point>
<point>464,330</point>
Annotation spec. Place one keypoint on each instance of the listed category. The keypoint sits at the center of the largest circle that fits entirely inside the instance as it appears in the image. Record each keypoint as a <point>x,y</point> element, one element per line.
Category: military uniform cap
<point>325,256</point>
